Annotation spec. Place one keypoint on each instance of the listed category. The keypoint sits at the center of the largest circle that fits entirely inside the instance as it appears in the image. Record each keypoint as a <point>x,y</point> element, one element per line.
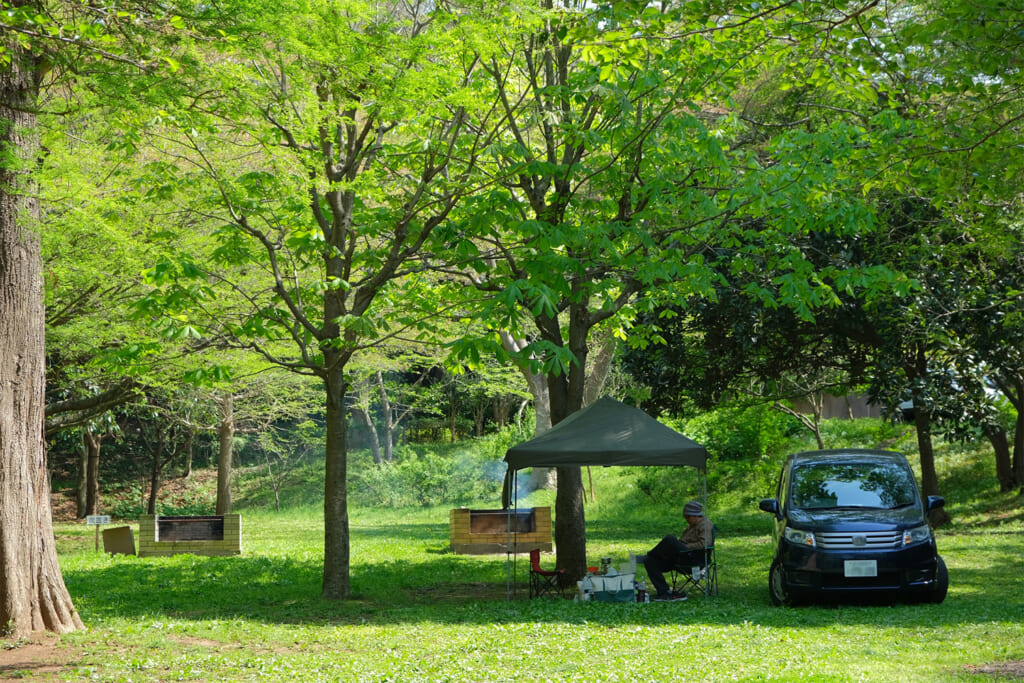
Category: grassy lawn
<point>420,613</point>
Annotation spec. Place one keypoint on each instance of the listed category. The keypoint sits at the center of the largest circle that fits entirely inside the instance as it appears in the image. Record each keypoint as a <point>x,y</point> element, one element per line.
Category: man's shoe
<point>677,597</point>
<point>662,597</point>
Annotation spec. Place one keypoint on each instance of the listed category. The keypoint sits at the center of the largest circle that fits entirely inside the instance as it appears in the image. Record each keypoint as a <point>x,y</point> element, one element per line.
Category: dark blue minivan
<point>851,523</point>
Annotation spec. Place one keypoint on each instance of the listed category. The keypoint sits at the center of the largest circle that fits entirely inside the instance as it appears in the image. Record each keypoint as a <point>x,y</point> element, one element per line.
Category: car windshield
<point>859,484</point>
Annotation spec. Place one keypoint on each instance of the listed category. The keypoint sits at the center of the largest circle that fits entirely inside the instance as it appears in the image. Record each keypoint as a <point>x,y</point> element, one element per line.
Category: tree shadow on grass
<point>471,589</point>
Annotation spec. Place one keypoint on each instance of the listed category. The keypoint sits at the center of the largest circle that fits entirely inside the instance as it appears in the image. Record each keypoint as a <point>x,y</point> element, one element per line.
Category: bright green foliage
<point>348,168</point>
<point>625,175</point>
<point>315,148</point>
<point>630,175</point>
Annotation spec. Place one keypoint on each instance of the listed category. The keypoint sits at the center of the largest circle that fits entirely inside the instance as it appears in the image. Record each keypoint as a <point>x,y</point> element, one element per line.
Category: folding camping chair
<point>702,577</point>
<point>544,581</point>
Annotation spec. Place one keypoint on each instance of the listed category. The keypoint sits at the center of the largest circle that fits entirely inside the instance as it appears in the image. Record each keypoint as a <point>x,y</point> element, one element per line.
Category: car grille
<point>860,540</point>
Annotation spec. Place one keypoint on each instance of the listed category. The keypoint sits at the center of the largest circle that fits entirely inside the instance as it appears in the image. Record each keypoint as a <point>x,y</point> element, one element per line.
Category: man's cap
<point>693,509</point>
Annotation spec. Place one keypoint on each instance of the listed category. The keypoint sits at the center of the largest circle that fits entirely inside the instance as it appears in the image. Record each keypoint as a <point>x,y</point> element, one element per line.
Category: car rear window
<point>859,485</point>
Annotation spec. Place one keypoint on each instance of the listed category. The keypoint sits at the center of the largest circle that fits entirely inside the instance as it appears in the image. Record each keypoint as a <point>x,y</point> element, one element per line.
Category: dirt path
<point>40,657</point>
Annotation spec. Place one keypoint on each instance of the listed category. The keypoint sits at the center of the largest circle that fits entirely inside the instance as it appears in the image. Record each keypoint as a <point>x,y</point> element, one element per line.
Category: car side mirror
<point>934,503</point>
<point>769,505</point>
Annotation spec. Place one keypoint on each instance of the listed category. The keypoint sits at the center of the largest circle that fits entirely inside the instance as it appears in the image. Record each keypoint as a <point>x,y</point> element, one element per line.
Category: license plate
<point>854,568</point>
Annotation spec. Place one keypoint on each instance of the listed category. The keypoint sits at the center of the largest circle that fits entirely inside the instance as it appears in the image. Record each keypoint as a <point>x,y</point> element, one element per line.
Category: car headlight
<point>800,537</point>
<point>918,534</point>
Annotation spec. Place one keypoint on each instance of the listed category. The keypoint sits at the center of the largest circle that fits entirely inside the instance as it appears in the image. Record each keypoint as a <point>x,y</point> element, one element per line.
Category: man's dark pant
<point>669,553</point>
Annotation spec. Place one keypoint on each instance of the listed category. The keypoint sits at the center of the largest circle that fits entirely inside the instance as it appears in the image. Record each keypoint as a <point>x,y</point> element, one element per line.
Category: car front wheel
<point>941,582</point>
<point>777,585</point>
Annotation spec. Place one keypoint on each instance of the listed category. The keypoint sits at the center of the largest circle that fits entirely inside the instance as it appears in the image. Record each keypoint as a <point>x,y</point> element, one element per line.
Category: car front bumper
<point>903,570</point>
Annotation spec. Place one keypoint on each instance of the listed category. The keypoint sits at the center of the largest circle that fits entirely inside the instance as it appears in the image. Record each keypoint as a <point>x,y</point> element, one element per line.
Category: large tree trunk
<point>566,395</point>
<point>33,596</point>
<point>225,460</point>
<point>336,583</point>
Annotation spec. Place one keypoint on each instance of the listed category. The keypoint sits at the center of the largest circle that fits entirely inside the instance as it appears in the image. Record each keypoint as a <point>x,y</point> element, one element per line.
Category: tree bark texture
<point>1004,463</point>
<point>389,419</point>
<point>371,429</point>
<point>83,479</point>
<point>189,449</point>
<point>93,443</point>
<point>336,583</point>
<point>929,475</point>
<point>157,449</point>
<point>566,395</point>
<point>917,369</point>
<point>33,596</point>
<point>600,368</point>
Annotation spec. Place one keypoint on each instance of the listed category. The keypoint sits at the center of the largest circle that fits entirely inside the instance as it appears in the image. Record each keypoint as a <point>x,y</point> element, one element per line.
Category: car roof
<point>847,455</point>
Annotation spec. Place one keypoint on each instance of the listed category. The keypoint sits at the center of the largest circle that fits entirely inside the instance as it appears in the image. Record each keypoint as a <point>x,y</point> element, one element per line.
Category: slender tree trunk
<point>929,475</point>
<point>453,414</point>
<point>1004,465</point>
<point>1018,435</point>
<point>92,471</point>
<point>600,368</point>
<point>336,583</point>
<point>364,416</point>
<point>190,440</point>
<point>154,473</point>
<point>225,460</point>
<point>502,408</point>
<point>535,381</point>
<point>812,423</point>
<point>540,477</point>
<point>479,413</point>
<point>83,478</point>
<point>917,369</point>
<point>388,411</point>
<point>33,596</point>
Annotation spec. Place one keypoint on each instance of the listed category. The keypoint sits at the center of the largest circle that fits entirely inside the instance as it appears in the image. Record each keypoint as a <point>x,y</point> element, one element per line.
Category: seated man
<point>686,551</point>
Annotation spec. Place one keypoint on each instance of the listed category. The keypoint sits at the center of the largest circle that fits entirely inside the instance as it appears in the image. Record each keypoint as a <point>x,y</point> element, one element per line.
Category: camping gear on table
<point>607,588</point>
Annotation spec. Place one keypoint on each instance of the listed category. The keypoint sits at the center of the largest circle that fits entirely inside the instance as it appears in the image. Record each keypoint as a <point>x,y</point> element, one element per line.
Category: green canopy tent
<point>604,434</point>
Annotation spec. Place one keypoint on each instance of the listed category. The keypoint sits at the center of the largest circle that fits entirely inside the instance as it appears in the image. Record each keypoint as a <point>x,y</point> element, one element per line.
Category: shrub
<point>740,433</point>
<point>471,471</point>
<point>132,502</point>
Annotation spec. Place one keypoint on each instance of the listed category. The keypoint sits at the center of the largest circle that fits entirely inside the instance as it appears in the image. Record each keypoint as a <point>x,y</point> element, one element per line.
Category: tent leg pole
<point>512,541</point>
<point>704,493</point>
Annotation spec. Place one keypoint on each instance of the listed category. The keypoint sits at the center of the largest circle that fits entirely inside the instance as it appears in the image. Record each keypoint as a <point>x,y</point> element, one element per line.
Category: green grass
<point>420,613</point>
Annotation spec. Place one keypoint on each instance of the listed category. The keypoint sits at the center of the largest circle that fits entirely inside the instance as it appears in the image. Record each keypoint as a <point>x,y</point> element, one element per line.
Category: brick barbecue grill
<point>200,535</point>
<point>483,532</point>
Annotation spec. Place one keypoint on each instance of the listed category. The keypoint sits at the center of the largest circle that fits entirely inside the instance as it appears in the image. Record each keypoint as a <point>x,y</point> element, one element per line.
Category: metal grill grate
<point>858,540</point>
